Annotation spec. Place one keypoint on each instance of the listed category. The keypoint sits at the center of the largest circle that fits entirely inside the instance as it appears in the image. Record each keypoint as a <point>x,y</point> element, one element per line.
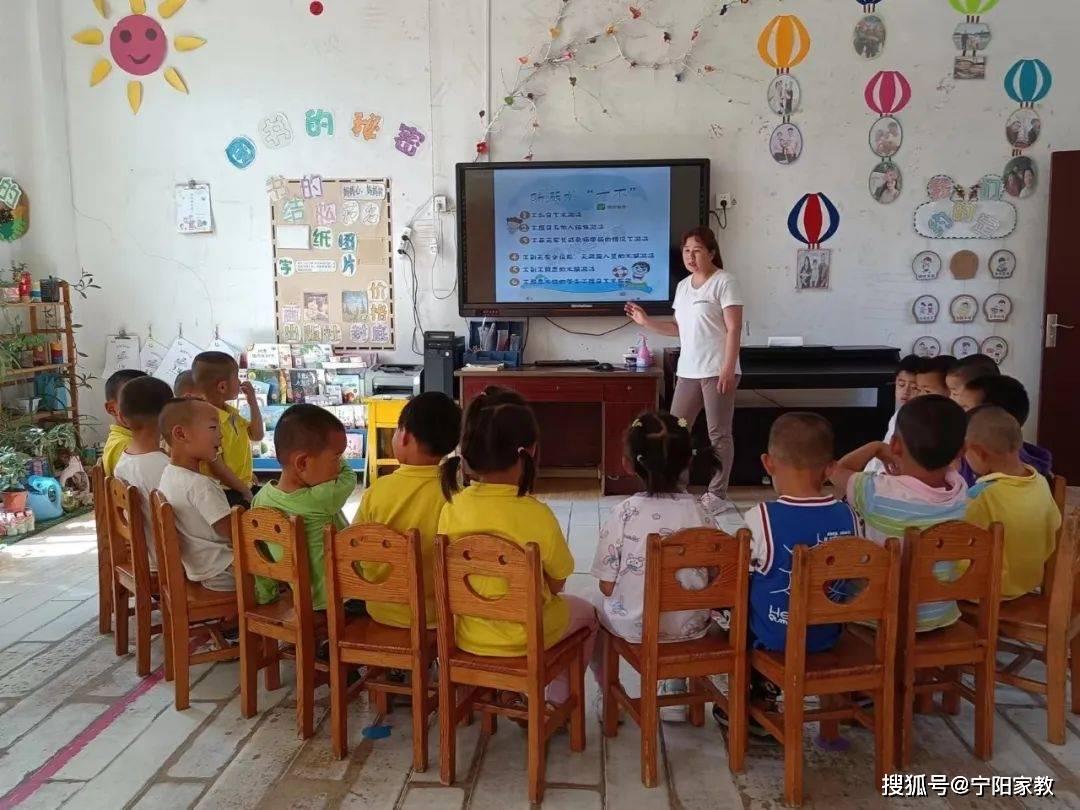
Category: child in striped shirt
<point>923,491</point>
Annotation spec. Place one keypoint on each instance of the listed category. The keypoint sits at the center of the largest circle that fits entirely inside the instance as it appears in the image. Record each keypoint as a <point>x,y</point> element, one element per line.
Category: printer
<point>395,379</point>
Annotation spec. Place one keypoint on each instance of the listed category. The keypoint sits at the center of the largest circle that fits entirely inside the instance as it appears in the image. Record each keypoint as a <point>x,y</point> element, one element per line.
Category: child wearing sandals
<point>658,451</point>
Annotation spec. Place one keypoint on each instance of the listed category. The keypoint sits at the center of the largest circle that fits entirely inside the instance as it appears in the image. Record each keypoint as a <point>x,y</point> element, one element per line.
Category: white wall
<point>429,64</point>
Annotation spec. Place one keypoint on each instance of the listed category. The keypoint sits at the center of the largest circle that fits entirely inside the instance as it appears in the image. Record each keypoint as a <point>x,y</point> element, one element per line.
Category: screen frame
<point>529,309</point>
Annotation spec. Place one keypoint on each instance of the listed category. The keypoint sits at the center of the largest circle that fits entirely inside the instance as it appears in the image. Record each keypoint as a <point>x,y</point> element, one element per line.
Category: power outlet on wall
<point>441,205</point>
<point>723,201</point>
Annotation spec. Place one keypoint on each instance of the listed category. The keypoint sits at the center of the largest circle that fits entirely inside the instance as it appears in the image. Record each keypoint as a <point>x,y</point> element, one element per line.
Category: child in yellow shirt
<point>1013,494</point>
<point>216,378</point>
<point>498,446</point>
<point>412,497</point>
<point>119,436</point>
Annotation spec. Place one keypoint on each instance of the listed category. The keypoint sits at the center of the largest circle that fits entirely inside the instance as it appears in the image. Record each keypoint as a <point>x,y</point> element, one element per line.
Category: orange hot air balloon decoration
<point>784,42</point>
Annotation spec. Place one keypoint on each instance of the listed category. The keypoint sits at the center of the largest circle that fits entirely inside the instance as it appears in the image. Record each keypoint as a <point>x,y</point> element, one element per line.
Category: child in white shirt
<point>142,462</point>
<point>658,451</point>
<point>192,429</point>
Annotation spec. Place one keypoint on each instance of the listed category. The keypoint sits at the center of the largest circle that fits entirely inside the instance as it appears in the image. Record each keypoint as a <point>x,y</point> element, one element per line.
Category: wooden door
<point>1059,390</point>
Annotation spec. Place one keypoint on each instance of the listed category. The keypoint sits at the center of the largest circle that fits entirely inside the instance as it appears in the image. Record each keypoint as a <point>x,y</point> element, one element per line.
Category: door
<point>1059,389</point>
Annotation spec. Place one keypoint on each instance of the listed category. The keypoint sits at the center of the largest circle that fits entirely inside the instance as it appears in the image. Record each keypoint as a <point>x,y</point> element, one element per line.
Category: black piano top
<point>818,366</point>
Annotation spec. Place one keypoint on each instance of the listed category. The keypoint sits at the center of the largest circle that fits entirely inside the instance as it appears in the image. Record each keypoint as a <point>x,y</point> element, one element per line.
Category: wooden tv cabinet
<point>583,414</point>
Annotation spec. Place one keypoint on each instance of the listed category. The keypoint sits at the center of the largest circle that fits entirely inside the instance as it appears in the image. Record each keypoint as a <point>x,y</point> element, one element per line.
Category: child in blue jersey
<point>799,461</point>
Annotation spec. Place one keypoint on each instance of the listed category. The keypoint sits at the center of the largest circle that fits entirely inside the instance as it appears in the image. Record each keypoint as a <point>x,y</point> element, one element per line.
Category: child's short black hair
<point>932,428</point>
<point>909,364</point>
<point>434,420</point>
<point>972,367</point>
<point>178,411</point>
<point>1005,392</point>
<point>936,365</point>
<point>659,448</point>
<point>184,384</point>
<point>142,400</point>
<point>994,429</point>
<point>803,440</point>
<point>304,428</point>
<point>497,429</point>
<point>118,379</point>
<point>210,368</point>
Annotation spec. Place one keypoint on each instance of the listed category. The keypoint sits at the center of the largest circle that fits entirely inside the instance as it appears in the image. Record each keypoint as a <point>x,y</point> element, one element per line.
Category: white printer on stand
<point>395,379</point>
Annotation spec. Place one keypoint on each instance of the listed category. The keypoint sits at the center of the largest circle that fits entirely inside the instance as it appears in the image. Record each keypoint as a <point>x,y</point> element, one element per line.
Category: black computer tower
<point>443,355</point>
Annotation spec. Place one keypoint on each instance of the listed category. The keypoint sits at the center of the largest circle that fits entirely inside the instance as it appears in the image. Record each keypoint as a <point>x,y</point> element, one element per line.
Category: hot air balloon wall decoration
<point>971,37</point>
<point>783,44</point>
<point>813,221</point>
<point>869,36</point>
<point>1027,82</point>
<point>887,93</point>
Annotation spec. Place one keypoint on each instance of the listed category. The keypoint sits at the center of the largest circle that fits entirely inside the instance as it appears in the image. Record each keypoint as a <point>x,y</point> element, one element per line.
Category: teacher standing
<point>708,322</point>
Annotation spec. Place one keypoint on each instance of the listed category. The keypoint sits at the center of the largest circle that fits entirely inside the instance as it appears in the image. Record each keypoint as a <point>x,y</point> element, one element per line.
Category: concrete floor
<point>78,728</point>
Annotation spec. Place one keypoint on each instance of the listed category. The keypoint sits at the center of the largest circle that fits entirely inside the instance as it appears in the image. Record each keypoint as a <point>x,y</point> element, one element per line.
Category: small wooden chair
<point>363,641</point>
<point>291,619</point>
<point>484,676</point>
<point>191,607</point>
<point>718,653</point>
<point>852,665</point>
<point>1045,626</point>
<point>931,661</point>
<point>131,575</point>
<point>101,528</point>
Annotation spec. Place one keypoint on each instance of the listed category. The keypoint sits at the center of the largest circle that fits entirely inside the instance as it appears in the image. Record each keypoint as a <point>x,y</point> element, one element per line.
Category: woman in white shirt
<point>708,322</point>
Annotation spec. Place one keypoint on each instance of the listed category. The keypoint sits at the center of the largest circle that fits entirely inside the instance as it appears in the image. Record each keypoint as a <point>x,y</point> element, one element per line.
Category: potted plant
<point>13,479</point>
<point>9,288</point>
<point>46,443</point>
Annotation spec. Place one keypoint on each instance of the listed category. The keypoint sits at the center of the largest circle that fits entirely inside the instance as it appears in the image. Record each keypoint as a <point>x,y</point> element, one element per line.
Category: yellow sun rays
<point>103,67</point>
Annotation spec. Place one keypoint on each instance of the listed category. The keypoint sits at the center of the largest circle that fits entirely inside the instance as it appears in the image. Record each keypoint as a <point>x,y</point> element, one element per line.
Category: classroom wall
<point>436,64</point>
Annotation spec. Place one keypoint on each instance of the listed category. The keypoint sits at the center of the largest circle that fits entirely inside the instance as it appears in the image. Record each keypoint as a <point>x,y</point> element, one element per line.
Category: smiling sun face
<point>138,45</point>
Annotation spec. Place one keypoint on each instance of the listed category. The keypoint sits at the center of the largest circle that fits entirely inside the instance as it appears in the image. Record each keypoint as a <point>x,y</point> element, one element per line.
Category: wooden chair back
<point>101,528</point>
<point>171,575</point>
<point>711,549</point>
<point>127,534</point>
<point>1062,588</point>
<point>403,581</point>
<point>253,530</point>
<point>1058,489</point>
<point>487,555</point>
<point>818,597</point>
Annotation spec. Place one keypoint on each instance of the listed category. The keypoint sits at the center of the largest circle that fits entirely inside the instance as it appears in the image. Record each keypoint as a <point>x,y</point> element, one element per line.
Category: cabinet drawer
<point>643,391</point>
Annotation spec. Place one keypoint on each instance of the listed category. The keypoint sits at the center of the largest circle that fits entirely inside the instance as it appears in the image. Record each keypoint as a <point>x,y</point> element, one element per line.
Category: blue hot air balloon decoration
<point>1028,81</point>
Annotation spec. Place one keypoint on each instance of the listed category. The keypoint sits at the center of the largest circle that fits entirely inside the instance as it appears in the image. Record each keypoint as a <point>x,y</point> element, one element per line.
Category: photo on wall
<point>813,269</point>
<point>316,307</point>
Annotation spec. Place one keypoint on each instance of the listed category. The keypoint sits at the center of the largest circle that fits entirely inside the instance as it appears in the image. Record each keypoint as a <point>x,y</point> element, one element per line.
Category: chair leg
<point>105,591</point>
<point>120,616</point>
<point>489,723</point>
<point>697,710</point>
<point>1055,692</point>
<point>271,661</point>
<point>448,712</point>
<point>884,733</point>
<point>738,721</point>
<point>649,731</point>
<point>166,640</point>
<point>420,717</point>
<point>950,699</point>
<point>339,708</point>
<point>537,746</point>
<point>142,634</point>
<point>1074,670</point>
<point>610,678</point>
<point>177,641</point>
<point>829,729</point>
<point>906,719</point>
<point>250,647</point>
<point>577,694</point>
<point>382,702</point>
<point>305,687</point>
<point>984,709</point>
<point>793,747</point>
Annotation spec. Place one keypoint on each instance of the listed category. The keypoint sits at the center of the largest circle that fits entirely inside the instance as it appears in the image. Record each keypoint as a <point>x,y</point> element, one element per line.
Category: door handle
<point>1052,325</point>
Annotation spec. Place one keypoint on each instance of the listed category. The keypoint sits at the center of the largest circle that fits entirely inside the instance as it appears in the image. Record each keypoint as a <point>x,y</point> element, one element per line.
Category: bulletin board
<point>333,261</point>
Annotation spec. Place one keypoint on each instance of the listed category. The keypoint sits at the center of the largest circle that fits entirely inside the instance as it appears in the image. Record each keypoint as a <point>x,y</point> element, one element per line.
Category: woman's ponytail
<point>448,476</point>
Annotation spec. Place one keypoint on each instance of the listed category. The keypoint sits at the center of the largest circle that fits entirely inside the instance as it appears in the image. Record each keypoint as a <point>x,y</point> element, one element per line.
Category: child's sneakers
<point>723,513</point>
<point>673,686</point>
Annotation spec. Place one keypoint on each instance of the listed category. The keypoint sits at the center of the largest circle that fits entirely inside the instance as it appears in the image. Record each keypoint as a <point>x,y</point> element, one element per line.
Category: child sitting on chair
<point>498,447</point>
<point>925,489</point>
<point>1013,494</point>
<point>119,436</point>
<point>316,481</point>
<point>967,369</point>
<point>905,388</point>
<point>658,451</point>
<point>412,497</point>
<point>193,432</point>
<point>143,462</point>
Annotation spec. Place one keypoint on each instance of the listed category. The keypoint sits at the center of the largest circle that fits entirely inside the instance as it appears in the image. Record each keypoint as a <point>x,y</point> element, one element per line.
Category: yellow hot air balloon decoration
<point>784,42</point>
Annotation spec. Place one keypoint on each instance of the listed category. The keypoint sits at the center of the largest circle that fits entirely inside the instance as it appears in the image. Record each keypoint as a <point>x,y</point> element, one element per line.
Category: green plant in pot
<point>46,443</point>
<point>13,479</point>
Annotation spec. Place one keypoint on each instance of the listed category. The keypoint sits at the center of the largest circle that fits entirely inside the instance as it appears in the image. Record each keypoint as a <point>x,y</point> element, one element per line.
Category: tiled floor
<point>78,728</point>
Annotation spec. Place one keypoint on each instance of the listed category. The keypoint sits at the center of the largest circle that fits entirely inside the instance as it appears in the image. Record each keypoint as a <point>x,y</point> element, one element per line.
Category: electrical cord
<point>418,327</point>
<point>588,334</point>
<point>721,221</point>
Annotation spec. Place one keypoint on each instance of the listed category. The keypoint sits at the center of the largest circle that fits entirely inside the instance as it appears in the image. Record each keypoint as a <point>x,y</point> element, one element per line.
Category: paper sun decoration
<point>138,46</point>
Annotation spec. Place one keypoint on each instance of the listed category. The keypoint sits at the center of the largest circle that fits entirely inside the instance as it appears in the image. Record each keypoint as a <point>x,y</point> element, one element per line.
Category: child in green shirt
<point>315,483</point>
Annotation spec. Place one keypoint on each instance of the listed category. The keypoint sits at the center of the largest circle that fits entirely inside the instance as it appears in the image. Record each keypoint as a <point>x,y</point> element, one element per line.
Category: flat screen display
<point>575,238</point>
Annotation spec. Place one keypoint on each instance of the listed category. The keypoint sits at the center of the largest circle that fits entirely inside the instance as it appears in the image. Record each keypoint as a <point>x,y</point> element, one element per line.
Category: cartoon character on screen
<point>514,224</point>
<point>620,274</point>
<point>640,270</point>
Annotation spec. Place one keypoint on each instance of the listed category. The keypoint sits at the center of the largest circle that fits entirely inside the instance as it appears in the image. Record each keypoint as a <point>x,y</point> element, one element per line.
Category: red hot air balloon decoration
<point>813,221</point>
<point>887,93</point>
